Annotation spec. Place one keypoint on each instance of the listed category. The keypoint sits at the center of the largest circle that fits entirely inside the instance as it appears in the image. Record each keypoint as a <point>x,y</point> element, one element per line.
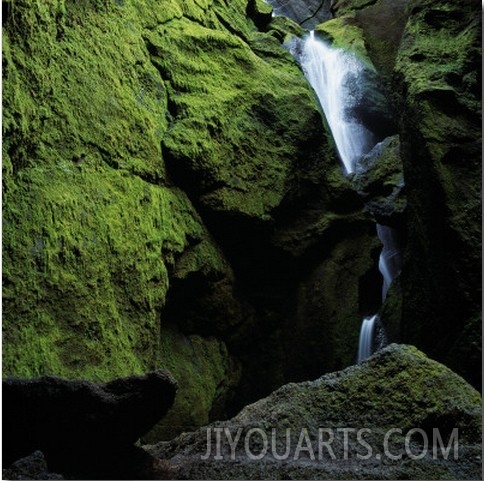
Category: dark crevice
<point>314,14</point>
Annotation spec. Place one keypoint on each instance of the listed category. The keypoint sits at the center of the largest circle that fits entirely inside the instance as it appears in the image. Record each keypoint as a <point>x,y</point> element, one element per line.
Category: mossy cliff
<point>168,191</point>
<point>429,57</point>
<point>438,92</point>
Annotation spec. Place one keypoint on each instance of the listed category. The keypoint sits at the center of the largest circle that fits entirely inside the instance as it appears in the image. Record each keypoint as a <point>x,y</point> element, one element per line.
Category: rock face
<point>382,23</point>
<point>437,87</point>
<point>171,198</point>
<point>379,181</point>
<point>79,423</point>
<point>429,58</point>
<point>307,13</point>
<point>397,389</point>
<point>33,466</point>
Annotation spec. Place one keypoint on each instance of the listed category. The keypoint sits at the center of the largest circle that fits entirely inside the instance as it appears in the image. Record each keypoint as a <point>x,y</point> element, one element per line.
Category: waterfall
<point>367,333</point>
<point>334,75</point>
<point>390,262</point>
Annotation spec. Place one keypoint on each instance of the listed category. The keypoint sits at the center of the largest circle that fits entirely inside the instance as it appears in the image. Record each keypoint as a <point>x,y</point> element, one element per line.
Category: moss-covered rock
<point>234,163</point>
<point>168,185</point>
<point>94,234</point>
<point>382,23</point>
<point>437,87</point>
<point>260,12</point>
<point>398,397</point>
<point>209,375</point>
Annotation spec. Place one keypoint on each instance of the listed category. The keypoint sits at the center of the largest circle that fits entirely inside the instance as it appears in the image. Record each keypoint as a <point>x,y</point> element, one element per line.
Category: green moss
<point>345,34</point>
<point>343,7</point>
<point>398,388</point>
<point>439,96</point>
<point>85,261</point>
<point>261,7</point>
<point>206,373</point>
<point>89,231</point>
<point>224,132</point>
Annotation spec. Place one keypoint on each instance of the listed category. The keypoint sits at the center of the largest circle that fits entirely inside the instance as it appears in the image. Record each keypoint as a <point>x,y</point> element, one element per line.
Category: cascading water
<point>367,333</point>
<point>390,262</point>
<point>335,76</point>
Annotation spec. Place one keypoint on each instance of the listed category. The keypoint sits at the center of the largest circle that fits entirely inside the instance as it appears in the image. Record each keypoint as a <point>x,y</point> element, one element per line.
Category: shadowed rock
<point>397,389</point>
<point>379,181</point>
<point>77,423</point>
<point>33,466</point>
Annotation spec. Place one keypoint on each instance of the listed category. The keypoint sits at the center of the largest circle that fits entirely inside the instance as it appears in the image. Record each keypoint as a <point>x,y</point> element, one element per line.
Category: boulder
<point>33,466</point>
<point>397,415</point>
<point>77,423</point>
<point>260,12</point>
<point>378,179</point>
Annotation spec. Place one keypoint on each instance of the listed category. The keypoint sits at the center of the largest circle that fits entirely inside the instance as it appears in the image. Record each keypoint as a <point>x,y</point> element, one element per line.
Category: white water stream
<point>333,73</point>
<point>335,76</point>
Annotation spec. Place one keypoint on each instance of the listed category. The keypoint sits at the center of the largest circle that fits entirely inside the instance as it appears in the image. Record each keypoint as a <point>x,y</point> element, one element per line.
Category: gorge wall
<point>172,199</point>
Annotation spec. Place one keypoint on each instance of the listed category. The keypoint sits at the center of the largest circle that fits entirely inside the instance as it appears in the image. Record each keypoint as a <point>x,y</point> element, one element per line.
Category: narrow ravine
<point>335,75</point>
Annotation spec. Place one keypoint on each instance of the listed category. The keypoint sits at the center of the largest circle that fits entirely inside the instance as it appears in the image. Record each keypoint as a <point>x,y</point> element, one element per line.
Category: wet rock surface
<point>308,14</point>
<point>379,181</point>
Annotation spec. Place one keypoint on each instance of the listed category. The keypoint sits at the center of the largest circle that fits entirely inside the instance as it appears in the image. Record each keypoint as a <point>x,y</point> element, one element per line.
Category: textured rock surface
<point>398,388</point>
<point>307,13</point>
<point>169,194</point>
<point>379,181</point>
<point>33,466</point>
<point>78,423</point>
<point>382,23</point>
<point>438,89</point>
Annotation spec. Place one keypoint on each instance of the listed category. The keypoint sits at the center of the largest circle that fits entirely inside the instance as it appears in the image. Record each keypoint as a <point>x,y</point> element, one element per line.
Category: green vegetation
<point>344,33</point>
<point>101,250</point>
<point>208,374</point>
<point>229,107</point>
<point>439,96</point>
<point>90,226</point>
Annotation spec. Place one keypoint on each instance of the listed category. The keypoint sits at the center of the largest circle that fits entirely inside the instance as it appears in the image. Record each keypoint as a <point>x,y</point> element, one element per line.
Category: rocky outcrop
<point>393,416</point>
<point>307,13</point>
<point>378,179</point>
<point>428,56</point>
<point>171,198</point>
<point>437,88</point>
<point>69,420</point>
<point>33,466</point>
<point>382,23</point>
